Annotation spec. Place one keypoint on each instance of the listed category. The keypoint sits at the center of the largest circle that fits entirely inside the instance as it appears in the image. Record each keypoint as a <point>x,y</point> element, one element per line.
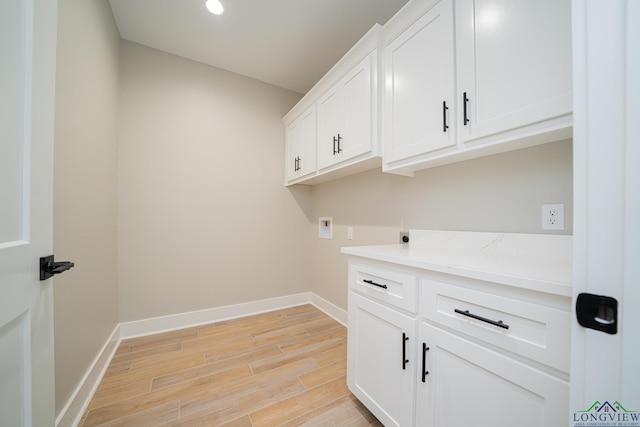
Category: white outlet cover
<point>325,227</point>
<point>552,216</point>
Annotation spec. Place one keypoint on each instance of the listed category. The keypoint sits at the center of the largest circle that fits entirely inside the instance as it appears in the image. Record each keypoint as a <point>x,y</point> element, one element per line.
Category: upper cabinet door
<point>307,161</point>
<point>513,64</point>
<point>346,116</point>
<point>359,109</point>
<point>294,149</point>
<point>419,74</point>
<point>301,146</point>
<point>330,125</point>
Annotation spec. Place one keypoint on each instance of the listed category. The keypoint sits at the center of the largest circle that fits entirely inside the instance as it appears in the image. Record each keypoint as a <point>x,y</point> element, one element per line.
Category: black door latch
<point>597,312</point>
<point>48,267</point>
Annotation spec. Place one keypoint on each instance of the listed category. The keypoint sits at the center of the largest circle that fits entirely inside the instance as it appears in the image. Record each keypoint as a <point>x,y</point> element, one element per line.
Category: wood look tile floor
<point>283,368</point>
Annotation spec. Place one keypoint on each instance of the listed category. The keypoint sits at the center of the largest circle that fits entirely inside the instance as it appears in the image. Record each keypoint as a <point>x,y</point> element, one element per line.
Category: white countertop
<point>541,262</point>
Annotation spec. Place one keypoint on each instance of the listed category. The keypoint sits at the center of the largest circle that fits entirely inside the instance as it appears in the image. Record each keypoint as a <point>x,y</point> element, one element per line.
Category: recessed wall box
<point>325,227</point>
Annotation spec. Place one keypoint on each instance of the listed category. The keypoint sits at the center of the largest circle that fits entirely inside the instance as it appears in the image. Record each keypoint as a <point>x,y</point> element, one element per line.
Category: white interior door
<point>604,366</point>
<point>27,82</point>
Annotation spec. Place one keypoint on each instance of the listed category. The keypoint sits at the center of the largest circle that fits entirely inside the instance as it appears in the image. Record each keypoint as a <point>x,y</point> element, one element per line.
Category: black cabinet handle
<point>371,282</point>
<point>444,116</point>
<point>299,161</point>
<point>339,148</point>
<point>405,338</point>
<point>334,146</point>
<point>464,108</point>
<point>424,362</point>
<point>497,323</point>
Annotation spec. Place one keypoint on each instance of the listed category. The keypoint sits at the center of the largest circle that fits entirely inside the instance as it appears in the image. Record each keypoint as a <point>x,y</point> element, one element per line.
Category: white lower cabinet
<point>468,384</point>
<point>380,355</point>
<point>474,354</point>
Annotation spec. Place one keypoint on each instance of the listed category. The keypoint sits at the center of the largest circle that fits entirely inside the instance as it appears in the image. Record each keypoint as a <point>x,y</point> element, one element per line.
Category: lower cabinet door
<point>380,362</point>
<point>468,384</point>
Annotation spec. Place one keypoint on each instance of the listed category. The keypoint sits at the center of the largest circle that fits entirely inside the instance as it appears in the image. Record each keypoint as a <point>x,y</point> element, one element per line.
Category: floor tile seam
<point>257,381</point>
<point>302,416</point>
<point>149,366</point>
<point>311,341</point>
<point>151,345</point>
<point>326,381</point>
<point>160,399</point>
<point>151,341</point>
<point>120,419</point>
<point>309,411</point>
<point>190,378</point>
<point>322,343</point>
<point>141,374</point>
<point>117,383</point>
<point>289,358</point>
<point>127,359</point>
<point>276,335</point>
<point>133,411</point>
<point>244,394</point>
<point>257,347</point>
<point>327,330</point>
<point>117,401</point>
<point>276,403</point>
<point>292,347</point>
<point>225,332</point>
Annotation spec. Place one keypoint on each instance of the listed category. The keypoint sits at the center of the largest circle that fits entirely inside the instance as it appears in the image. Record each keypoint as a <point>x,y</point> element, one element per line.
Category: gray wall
<point>501,193</point>
<point>85,298</point>
<point>204,219</point>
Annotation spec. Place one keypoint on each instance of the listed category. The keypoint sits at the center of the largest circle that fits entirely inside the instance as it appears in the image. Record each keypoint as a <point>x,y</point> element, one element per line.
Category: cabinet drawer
<point>394,287</point>
<point>534,331</point>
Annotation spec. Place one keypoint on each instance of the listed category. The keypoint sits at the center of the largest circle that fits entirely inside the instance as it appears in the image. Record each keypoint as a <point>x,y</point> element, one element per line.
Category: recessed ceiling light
<point>215,6</point>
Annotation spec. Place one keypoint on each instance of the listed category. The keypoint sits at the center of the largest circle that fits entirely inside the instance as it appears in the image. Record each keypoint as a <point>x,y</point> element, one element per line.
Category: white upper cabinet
<point>301,146</point>
<point>418,114</point>
<point>514,65</point>
<point>346,115</point>
<point>466,78</point>
<point>459,79</point>
<point>345,110</point>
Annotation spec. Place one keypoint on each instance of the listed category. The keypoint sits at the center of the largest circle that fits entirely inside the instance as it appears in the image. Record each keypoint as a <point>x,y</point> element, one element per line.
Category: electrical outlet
<point>349,233</point>
<point>553,216</point>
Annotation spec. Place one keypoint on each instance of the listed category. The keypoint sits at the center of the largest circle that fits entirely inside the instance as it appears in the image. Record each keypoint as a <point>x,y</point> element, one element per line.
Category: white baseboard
<point>330,309</point>
<point>72,412</point>
<point>157,325</point>
<point>77,404</point>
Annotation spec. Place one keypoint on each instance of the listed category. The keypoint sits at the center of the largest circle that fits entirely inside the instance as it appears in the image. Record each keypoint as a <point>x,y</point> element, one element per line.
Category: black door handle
<point>498,323</point>
<point>464,105</point>
<point>371,282</point>
<point>424,362</point>
<point>48,267</point>
<point>445,126</point>
<point>405,338</point>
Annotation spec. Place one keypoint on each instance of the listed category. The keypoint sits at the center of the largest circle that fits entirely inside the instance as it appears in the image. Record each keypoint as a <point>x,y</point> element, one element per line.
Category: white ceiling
<point>288,43</point>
